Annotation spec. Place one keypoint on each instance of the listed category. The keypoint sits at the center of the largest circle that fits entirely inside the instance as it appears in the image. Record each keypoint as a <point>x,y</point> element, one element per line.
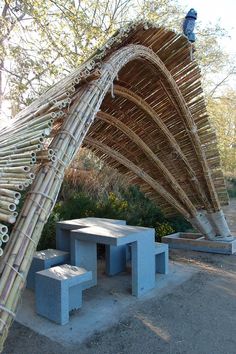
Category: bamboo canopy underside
<point>138,104</point>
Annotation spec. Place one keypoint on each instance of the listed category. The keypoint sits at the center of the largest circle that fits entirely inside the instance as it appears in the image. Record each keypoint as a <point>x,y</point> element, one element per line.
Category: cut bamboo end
<point>3,229</point>
<point>10,193</point>
<point>12,186</point>
<point>4,238</point>
<point>16,169</point>
<point>7,205</point>
<point>50,152</point>
<point>31,175</point>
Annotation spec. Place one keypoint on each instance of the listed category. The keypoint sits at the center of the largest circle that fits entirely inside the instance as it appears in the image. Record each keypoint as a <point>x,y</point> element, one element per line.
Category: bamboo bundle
<point>152,126</point>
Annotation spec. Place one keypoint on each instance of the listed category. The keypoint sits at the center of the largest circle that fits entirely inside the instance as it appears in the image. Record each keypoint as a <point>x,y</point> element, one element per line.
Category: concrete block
<point>63,229</point>
<point>197,242</point>
<point>161,257</point>
<point>115,259</point>
<point>58,291</point>
<point>143,265</point>
<point>113,235</point>
<point>84,254</point>
<point>43,260</point>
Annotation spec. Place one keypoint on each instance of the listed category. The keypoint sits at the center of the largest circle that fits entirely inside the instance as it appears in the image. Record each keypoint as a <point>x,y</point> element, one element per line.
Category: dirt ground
<point>198,317</point>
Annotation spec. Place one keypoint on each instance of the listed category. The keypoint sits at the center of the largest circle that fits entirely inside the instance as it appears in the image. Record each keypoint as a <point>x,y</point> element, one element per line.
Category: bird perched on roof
<point>189,24</point>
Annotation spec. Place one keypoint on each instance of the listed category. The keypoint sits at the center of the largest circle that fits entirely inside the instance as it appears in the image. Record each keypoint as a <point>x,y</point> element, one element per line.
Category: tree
<point>223,115</point>
<point>43,41</point>
<point>209,54</point>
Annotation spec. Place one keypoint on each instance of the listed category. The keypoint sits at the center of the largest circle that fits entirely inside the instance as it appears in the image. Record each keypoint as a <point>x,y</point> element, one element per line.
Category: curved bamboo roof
<point>139,105</point>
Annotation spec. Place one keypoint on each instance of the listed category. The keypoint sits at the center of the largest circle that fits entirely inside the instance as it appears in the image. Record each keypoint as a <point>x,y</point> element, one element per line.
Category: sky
<point>213,10</point>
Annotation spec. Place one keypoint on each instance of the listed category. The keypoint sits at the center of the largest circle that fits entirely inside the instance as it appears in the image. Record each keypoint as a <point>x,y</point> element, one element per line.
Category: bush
<point>129,204</point>
<point>231,187</point>
<point>48,239</point>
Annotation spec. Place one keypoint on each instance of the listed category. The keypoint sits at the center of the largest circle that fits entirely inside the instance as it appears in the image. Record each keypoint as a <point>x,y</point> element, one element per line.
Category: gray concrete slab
<point>112,234</point>
<point>196,242</point>
<point>90,221</point>
<point>103,306</point>
<point>63,228</point>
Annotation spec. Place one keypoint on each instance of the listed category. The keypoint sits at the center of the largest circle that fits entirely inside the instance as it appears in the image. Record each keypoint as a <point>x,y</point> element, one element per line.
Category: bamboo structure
<point>138,104</point>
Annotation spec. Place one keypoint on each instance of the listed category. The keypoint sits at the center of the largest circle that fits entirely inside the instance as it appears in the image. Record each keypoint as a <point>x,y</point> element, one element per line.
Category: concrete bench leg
<point>75,297</point>
<point>62,239</point>
<point>84,254</point>
<point>115,259</point>
<point>162,262</point>
<point>143,265</point>
<point>52,299</point>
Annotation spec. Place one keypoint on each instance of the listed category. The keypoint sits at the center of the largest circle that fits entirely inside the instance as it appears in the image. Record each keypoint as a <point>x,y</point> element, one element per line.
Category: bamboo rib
<point>149,153</point>
<point>155,185</point>
<point>144,106</point>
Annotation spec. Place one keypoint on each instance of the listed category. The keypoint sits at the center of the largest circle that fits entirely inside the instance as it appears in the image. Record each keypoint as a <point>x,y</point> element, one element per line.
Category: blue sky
<point>213,10</point>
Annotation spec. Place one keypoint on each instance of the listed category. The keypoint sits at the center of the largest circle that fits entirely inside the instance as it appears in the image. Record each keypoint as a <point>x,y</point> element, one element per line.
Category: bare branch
<point>223,81</point>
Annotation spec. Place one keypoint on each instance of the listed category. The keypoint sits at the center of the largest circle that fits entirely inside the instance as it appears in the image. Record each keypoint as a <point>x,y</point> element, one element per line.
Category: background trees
<point>223,113</point>
<point>41,41</point>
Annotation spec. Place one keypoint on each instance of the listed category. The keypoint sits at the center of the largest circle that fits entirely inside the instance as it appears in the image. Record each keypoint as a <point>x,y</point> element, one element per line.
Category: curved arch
<point>42,196</point>
<point>71,136</point>
<point>140,173</point>
<point>191,128</point>
<point>142,104</point>
<point>150,154</point>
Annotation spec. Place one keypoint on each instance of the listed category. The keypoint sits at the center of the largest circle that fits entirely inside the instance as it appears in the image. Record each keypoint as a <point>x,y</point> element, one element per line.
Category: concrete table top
<point>112,234</point>
<point>90,221</point>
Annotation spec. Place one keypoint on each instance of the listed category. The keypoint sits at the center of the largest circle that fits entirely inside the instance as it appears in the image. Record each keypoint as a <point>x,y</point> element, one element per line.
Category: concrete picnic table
<point>81,237</point>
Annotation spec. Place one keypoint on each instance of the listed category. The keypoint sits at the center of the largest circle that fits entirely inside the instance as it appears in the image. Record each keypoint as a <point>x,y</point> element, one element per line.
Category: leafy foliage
<point>231,186</point>
<point>223,116</point>
<point>41,42</point>
<point>131,205</point>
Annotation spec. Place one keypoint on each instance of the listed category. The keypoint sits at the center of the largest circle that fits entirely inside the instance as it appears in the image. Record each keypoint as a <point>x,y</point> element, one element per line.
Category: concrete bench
<point>161,257</point>
<point>43,260</point>
<point>58,291</point>
<point>84,252</point>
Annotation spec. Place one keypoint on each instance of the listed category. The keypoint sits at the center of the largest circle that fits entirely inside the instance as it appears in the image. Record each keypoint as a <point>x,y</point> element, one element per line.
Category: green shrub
<point>231,187</point>
<point>130,205</point>
<point>163,229</point>
<point>48,239</point>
